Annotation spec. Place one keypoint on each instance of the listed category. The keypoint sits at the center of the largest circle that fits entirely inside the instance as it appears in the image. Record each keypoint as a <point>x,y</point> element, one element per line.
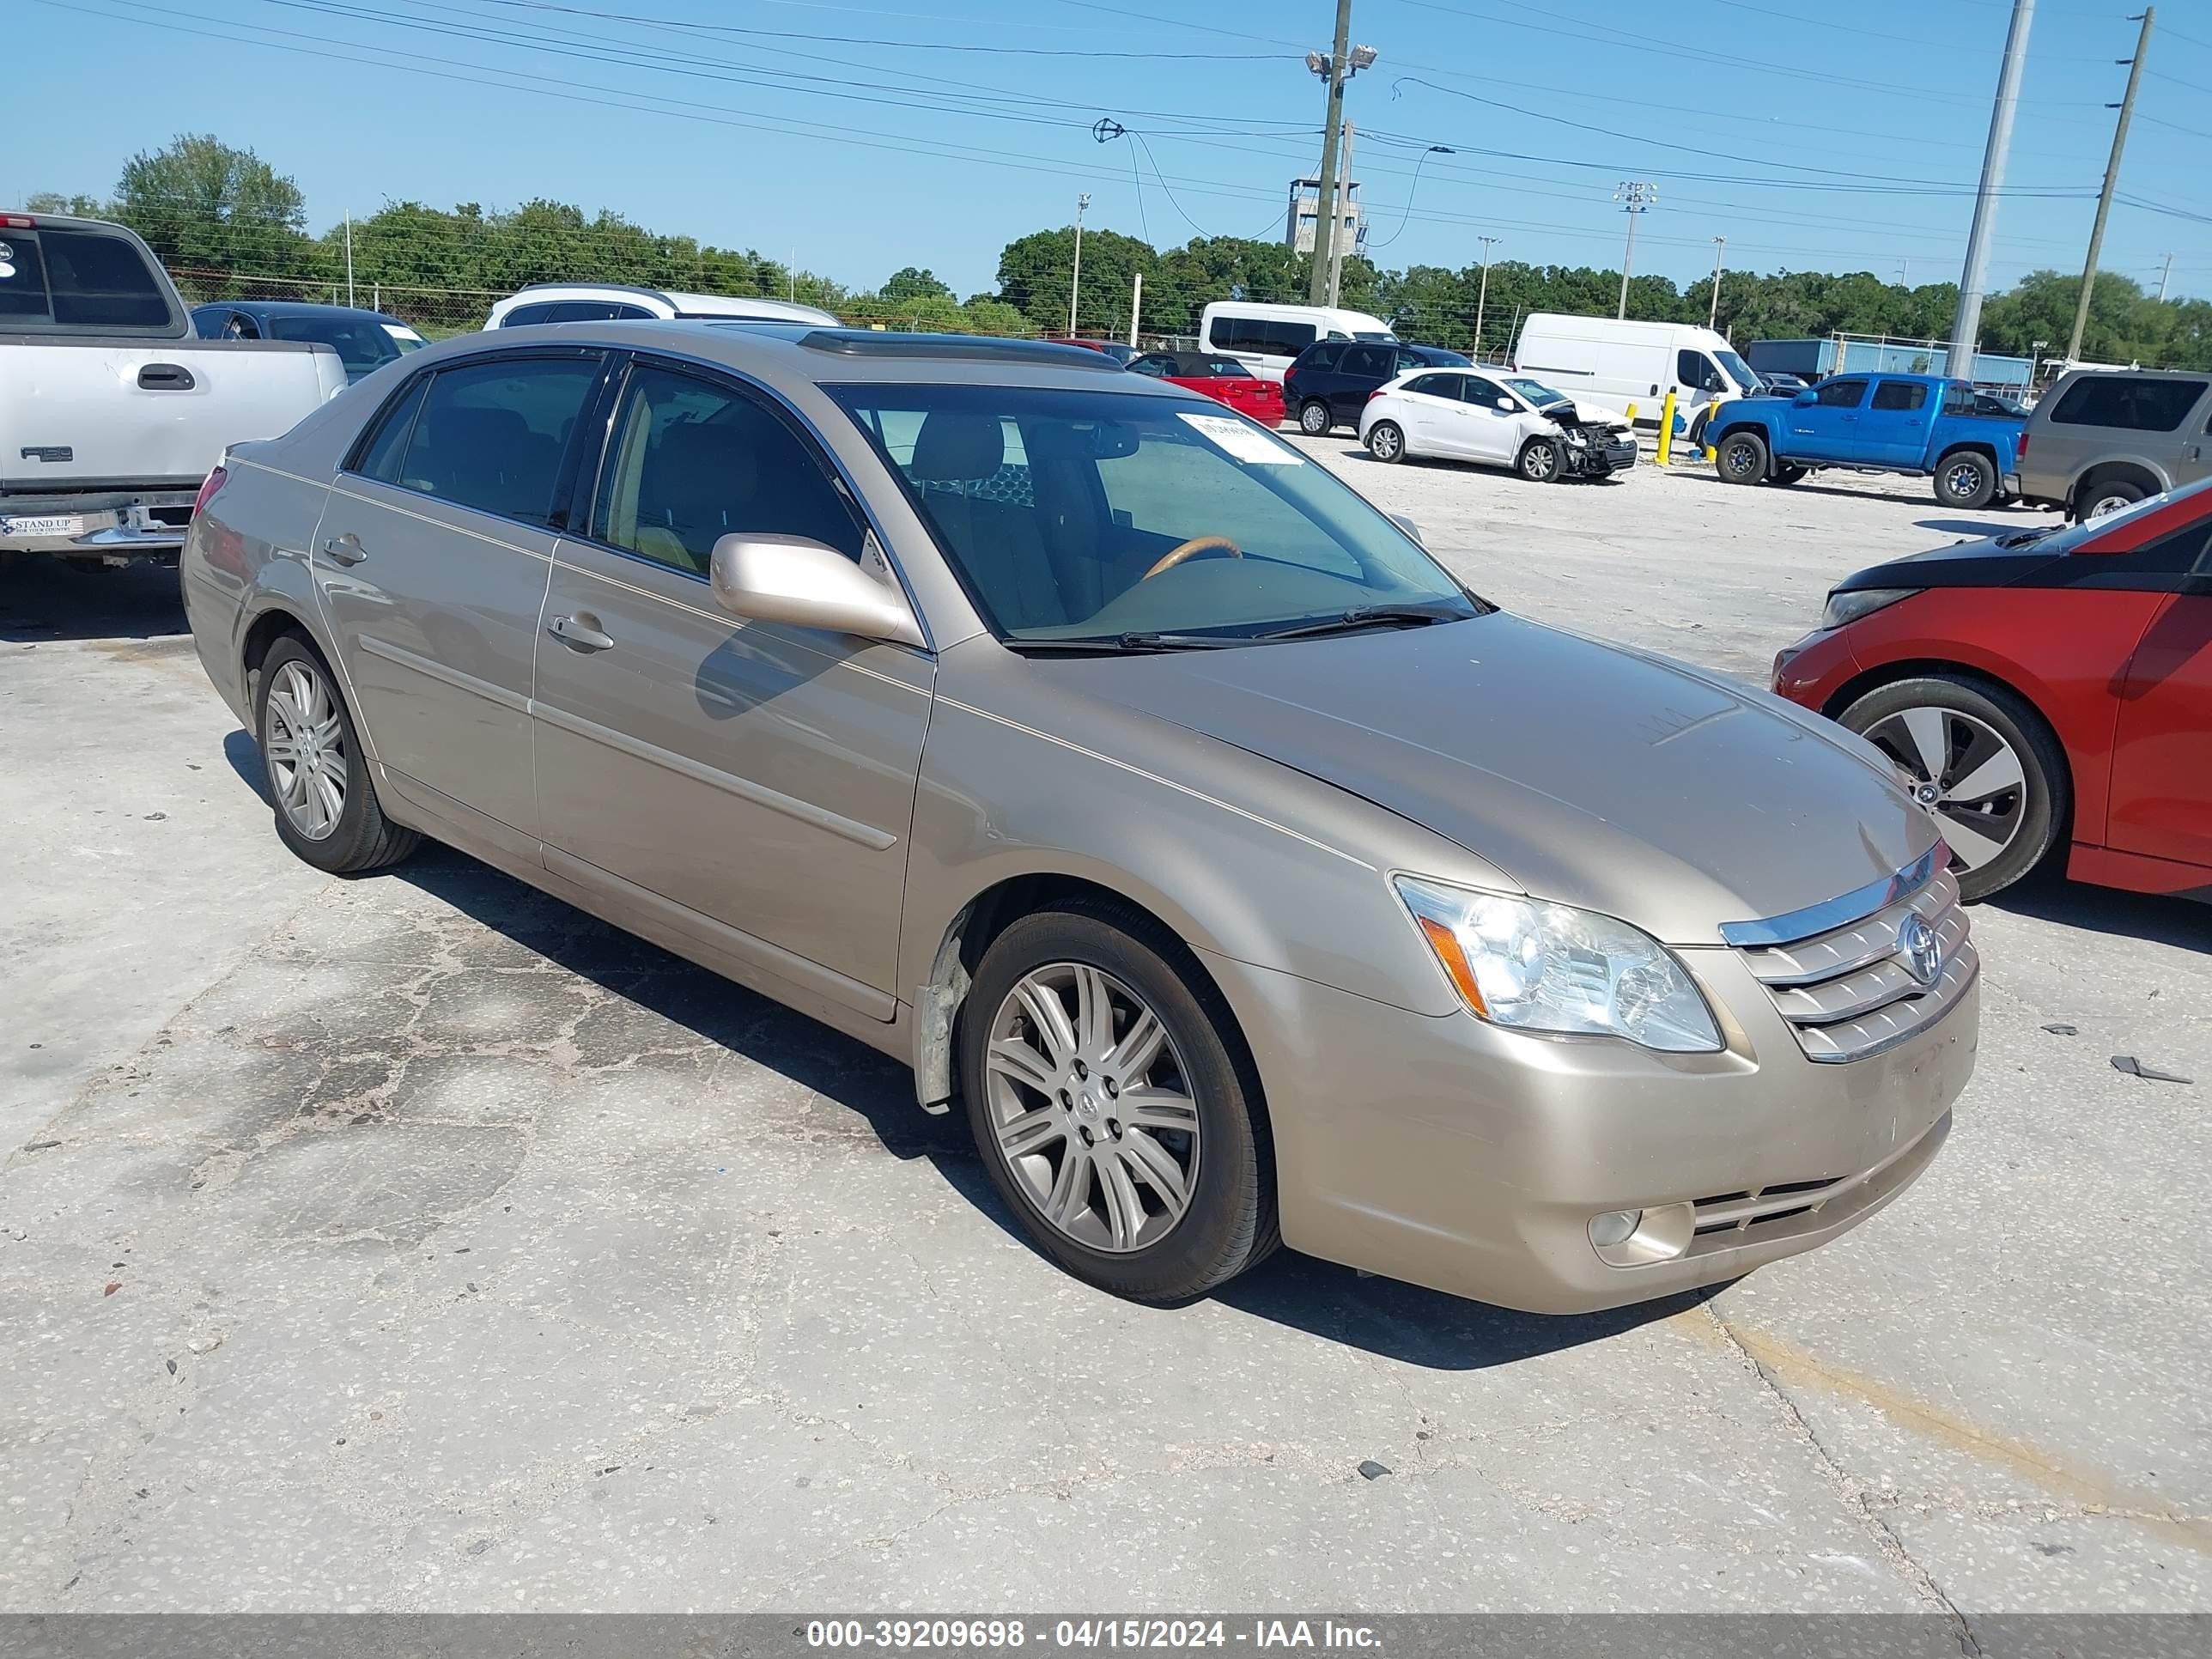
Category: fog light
<point>1614,1227</point>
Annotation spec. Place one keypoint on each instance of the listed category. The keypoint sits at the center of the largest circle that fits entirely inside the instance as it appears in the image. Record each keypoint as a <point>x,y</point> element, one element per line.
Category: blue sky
<point>1830,137</point>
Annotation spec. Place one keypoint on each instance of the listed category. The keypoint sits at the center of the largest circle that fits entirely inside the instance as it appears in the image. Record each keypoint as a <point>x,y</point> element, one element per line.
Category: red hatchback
<point>1222,379</point>
<point>2038,686</point>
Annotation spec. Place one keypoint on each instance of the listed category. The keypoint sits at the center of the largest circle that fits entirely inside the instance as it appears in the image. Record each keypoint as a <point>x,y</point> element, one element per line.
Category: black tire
<point>1313,419</point>
<point>1386,443</point>
<point>1231,1222</point>
<point>1966,479</point>
<point>1541,461</point>
<point>362,838</point>
<point>2047,782</point>
<point>1788,473</point>
<point>1741,457</point>
<point>2094,500</point>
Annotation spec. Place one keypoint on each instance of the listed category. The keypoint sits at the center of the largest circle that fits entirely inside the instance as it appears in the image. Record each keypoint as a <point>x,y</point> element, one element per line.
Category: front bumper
<point>1450,1153</point>
<point>1600,460</point>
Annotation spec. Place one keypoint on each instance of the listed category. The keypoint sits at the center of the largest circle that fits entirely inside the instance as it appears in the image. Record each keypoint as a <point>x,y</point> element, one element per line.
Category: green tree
<point>909,284</point>
<point>1036,272</point>
<point>79,206</point>
<point>214,215</point>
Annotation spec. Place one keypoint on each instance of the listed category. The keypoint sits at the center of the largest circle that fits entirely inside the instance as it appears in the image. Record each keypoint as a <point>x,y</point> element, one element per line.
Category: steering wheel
<point>1191,549</point>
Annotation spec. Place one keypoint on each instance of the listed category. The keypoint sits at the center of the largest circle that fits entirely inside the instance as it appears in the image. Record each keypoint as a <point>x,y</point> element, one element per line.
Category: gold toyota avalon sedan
<point>1242,875</point>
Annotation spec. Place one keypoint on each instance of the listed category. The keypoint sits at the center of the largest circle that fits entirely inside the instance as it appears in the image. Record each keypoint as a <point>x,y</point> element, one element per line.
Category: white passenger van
<point>602,302</point>
<point>1266,339</point>
<point>1612,364</point>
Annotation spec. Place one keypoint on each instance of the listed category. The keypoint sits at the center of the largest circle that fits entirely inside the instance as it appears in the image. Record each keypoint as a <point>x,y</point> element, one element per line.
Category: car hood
<point>1573,414</point>
<point>1985,561</point>
<point>1591,775</point>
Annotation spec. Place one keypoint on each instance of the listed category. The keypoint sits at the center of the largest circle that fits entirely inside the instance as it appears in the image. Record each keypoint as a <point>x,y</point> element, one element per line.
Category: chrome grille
<point>1849,991</point>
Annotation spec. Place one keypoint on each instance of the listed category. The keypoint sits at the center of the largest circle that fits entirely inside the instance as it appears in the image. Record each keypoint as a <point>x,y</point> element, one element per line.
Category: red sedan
<point>2040,686</point>
<point>1222,379</point>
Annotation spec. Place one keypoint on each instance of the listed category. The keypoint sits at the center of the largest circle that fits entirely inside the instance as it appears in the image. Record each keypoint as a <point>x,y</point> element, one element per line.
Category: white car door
<point>1426,417</point>
<point>1489,421</point>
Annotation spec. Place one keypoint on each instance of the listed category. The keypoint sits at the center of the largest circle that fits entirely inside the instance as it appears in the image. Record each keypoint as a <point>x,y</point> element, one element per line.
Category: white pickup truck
<point>112,413</point>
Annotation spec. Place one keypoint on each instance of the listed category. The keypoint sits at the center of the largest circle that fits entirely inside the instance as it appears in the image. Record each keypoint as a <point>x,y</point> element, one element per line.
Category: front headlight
<point>1862,601</point>
<point>1538,967</point>
<point>1577,436</point>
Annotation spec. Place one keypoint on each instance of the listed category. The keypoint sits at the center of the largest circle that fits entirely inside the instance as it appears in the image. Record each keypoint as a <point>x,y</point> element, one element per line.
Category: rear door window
<point>523,316</point>
<point>1840,394</point>
<point>596,311</point>
<point>1290,338</point>
<point>1368,362</point>
<point>386,447</point>
<point>1901,395</point>
<point>1434,385</point>
<point>2130,403</point>
<point>491,434</point>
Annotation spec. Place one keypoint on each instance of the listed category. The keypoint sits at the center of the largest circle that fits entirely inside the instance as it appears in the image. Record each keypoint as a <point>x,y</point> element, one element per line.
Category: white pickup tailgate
<point>91,413</point>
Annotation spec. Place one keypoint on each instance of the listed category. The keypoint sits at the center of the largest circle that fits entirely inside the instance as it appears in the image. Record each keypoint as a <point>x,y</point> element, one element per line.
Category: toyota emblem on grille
<point>1921,951</point>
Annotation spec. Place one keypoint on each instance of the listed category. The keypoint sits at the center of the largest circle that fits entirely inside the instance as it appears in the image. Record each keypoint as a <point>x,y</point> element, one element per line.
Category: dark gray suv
<point>2102,439</point>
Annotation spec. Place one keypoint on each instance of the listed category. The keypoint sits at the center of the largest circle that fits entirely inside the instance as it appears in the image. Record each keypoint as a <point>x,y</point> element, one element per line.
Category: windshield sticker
<point>1237,441</point>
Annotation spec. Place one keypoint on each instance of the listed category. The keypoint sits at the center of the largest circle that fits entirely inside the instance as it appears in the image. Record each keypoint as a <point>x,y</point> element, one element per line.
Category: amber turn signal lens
<point>1446,944</point>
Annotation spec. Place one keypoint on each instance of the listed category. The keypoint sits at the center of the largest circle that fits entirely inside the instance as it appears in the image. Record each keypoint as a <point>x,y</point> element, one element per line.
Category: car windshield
<point>1536,392</point>
<point>1738,370</point>
<point>1100,515</point>
<point>362,343</point>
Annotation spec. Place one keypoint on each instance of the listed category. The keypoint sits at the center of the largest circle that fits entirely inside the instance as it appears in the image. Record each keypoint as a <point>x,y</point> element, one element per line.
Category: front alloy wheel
<point>1983,764</point>
<point>1540,461</point>
<point>1090,1108</point>
<point>1115,1105</point>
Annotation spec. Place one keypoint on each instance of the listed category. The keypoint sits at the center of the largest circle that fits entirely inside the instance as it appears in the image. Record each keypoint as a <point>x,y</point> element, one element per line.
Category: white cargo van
<point>1612,364</point>
<point>1267,338</point>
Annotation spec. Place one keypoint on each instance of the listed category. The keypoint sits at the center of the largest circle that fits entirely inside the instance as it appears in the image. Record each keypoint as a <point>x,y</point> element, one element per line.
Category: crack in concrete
<point>1854,1493</point>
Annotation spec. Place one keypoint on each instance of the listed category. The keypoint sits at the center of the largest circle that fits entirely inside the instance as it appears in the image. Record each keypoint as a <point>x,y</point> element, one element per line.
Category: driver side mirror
<point>1805,397</point>
<point>805,584</point>
<point>1408,526</point>
<point>1505,403</point>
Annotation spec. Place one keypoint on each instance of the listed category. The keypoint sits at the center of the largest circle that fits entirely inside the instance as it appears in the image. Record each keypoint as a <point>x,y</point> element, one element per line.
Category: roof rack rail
<point>982,347</point>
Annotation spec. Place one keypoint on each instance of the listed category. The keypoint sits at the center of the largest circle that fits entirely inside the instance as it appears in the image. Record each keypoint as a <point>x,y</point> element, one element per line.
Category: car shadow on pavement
<point>2155,918</point>
<point>1378,1315</point>
<point>42,599</point>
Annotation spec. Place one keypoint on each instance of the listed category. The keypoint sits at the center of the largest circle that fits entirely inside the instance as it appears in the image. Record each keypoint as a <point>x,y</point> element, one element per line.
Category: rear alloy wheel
<point>1740,459</point>
<point>1313,418</point>
<point>2102,501</point>
<point>1109,1109</point>
<point>1982,762</point>
<point>1540,461</point>
<point>1385,442</point>
<point>326,807</point>
<point>1965,480</point>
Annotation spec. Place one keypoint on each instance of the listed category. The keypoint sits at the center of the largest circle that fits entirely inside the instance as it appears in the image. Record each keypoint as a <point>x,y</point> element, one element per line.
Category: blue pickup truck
<point>1915,423</point>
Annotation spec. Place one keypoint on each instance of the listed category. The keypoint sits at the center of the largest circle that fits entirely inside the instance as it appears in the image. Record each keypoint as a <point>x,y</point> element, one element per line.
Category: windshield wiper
<point>1112,643</point>
<point>1378,615</point>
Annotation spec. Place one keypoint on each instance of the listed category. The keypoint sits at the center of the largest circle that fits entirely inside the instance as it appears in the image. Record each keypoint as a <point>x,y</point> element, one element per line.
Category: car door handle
<point>580,633</point>
<point>344,550</point>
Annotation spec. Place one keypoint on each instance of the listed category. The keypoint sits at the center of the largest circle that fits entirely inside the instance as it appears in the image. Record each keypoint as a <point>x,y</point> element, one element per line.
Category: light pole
<point>1338,67</point>
<point>1713,310</point>
<point>1075,284</point>
<point>2111,180</point>
<point>1966,324</point>
<point>1635,196</point>
<point>1482,293</point>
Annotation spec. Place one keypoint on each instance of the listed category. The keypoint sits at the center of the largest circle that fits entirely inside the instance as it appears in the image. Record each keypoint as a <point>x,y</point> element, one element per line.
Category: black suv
<point>1331,379</point>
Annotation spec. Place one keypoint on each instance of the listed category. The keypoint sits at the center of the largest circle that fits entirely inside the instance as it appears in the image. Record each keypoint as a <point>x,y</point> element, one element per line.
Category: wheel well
<point>260,639</point>
<point>1713,439</point>
<point>1970,446</point>
<point>2114,472</point>
<point>989,914</point>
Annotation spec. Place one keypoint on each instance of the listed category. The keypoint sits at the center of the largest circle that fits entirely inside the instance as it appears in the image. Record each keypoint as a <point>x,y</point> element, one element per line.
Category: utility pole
<point>1339,66</point>
<point>1336,242</point>
<point>1713,310</point>
<point>1136,305</point>
<point>2112,181</point>
<point>1966,323</point>
<point>1634,196</point>
<point>2165,276</point>
<point>1482,293</point>
<point>1075,282</point>
<point>349,240</point>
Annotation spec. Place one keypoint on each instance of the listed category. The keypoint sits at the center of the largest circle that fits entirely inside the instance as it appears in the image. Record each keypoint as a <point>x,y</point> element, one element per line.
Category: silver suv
<point>1119,767</point>
<point>2101,439</point>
